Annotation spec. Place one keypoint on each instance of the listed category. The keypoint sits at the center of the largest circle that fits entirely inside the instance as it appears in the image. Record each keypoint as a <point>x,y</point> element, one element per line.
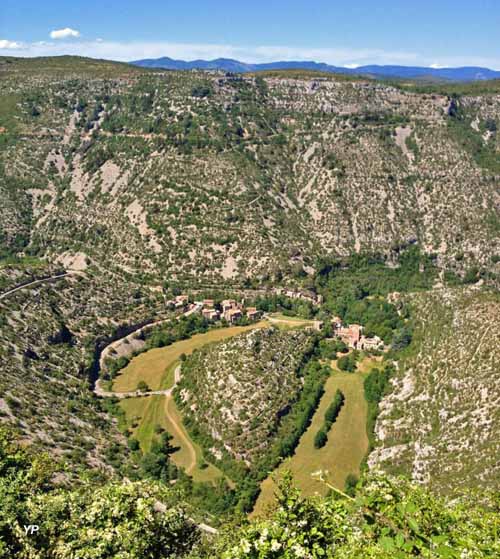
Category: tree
<point>347,363</point>
<point>329,348</point>
<point>350,484</point>
<point>320,439</point>
<point>133,444</point>
<point>142,386</point>
<point>156,463</point>
<point>333,409</point>
<point>490,125</point>
<point>401,338</point>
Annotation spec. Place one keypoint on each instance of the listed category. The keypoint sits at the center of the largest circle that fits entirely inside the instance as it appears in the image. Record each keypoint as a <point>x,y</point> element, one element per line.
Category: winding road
<point>99,391</point>
<point>128,338</point>
<point>179,431</point>
<point>37,282</point>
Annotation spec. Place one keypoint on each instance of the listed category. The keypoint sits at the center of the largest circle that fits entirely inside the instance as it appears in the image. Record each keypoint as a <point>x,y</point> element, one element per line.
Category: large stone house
<point>228,304</point>
<point>350,335</point>
<point>211,314</point>
<point>252,313</point>
<point>232,315</point>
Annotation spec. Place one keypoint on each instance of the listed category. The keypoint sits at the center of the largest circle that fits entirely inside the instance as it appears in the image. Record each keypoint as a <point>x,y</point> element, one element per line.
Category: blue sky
<point>422,32</point>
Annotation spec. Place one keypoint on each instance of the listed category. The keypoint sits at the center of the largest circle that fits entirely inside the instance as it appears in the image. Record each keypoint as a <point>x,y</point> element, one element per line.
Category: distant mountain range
<point>466,73</point>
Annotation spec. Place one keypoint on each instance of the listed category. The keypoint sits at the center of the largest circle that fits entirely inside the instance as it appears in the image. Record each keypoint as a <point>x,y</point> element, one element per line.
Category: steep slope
<point>143,179</point>
<point>49,335</point>
<point>235,391</point>
<point>440,422</point>
<point>207,178</point>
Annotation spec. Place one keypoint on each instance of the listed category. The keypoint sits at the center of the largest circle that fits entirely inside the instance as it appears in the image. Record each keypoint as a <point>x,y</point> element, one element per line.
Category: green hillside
<point>354,225</point>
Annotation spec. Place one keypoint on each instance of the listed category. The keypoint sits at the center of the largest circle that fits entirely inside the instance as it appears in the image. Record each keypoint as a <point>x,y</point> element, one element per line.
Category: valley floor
<point>342,455</point>
<point>153,366</point>
<point>150,411</point>
<point>347,440</point>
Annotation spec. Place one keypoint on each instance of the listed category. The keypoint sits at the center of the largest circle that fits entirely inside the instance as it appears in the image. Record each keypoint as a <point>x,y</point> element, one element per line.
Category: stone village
<point>233,311</point>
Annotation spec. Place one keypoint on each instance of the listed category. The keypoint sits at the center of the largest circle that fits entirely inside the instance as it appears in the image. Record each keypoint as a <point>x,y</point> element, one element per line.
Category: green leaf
<point>446,552</point>
<point>387,543</point>
<point>414,526</point>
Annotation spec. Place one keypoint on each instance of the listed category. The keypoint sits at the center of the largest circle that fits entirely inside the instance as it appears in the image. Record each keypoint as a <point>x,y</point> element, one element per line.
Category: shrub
<point>347,363</point>
<point>320,439</point>
<point>142,386</point>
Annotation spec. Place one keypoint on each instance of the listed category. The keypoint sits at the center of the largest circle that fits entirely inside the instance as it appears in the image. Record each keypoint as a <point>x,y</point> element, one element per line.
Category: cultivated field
<point>347,440</point>
<point>154,366</point>
<point>150,411</point>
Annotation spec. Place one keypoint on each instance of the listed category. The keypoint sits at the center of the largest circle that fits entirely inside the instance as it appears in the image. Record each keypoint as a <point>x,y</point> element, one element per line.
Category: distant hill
<point>466,73</point>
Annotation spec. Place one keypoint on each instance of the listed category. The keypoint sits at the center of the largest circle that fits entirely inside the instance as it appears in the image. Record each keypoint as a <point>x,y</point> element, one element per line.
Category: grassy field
<point>347,440</point>
<point>9,110</point>
<point>150,411</point>
<point>169,376</point>
<point>283,321</point>
<point>155,366</point>
<point>145,413</point>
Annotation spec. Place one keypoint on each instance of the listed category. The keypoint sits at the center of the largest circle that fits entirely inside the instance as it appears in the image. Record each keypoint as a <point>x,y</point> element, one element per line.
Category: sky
<point>434,33</point>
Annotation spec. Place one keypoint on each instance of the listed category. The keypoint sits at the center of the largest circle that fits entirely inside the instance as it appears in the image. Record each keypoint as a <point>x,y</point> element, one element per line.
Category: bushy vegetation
<point>321,438</point>
<point>156,463</point>
<point>375,385</point>
<point>348,362</point>
<point>284,437</point>
<point>328,349</point>
<point>484,153</point>
<point>331,414</point>
<point>388,519</point>
<point>362,275</point>
<point>118,519</point>
<point>177,330</point>
<point>285,305</point>
<point>300,416</point>
<point>355,289</point>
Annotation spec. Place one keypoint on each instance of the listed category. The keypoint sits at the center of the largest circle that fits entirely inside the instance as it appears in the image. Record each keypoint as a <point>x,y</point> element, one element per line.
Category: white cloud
<point>64,33</point>
<point>13,45</point>
<point>351,66</point>
<point>126,51</point>
<point>436,66</point>
<point>134,50</point>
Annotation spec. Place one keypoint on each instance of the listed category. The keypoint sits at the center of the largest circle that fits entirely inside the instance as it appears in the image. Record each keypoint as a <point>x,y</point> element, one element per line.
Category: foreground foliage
<point>114,520</point>
<point>389,518</point>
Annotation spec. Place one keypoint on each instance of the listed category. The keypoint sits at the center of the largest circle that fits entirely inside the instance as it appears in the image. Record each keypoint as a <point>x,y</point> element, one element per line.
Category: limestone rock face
<point>440,422</point>
<point>140,174</point>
